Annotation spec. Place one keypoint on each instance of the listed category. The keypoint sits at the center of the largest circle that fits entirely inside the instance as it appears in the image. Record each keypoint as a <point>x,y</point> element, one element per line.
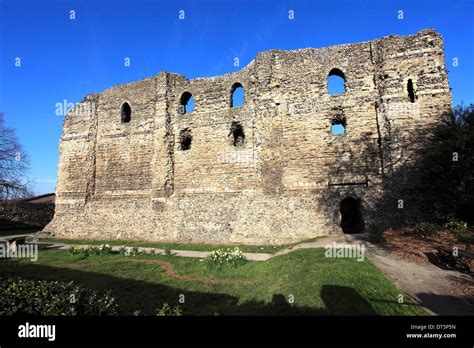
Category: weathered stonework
<point>286,181</point>
<point>21,214</point>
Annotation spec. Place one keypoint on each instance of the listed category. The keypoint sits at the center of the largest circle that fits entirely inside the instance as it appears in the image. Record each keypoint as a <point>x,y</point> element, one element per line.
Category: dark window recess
<point>185,139</point>
<point>238,134</point>
<point>126,113</point>
<point>186,103</point>
<point>411,91</point>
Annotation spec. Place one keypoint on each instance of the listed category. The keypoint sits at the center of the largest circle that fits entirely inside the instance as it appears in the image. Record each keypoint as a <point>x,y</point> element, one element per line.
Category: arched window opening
<point>336,82</point>
<point>185,139</point>
<point>126,113</point>
<point>238,134</point>
<point>338,125</point>
<point>186,103</point>
<point>237,95</point>
<point>411,91</point>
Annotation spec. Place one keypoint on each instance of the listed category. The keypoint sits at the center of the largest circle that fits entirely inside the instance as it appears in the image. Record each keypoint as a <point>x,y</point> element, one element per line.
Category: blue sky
<point>64,59</point>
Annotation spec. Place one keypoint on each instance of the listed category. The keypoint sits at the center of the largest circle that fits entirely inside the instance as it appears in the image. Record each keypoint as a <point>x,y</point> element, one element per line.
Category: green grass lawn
<point>178,246</point>
<point>319,285</point>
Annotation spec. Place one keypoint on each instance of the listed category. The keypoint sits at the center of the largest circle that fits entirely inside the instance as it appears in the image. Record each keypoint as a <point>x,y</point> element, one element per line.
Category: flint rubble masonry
<point>124,174</point>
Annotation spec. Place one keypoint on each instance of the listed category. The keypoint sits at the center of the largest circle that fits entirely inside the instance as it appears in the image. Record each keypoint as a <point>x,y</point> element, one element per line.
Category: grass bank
<point>301,282</point>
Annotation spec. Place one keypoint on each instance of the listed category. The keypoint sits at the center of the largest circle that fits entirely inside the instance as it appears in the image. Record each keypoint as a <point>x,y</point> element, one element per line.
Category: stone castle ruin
<point>137,163</point>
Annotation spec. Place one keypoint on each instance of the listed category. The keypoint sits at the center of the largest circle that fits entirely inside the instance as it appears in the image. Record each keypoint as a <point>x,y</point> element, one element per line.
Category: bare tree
<point>14,164</point>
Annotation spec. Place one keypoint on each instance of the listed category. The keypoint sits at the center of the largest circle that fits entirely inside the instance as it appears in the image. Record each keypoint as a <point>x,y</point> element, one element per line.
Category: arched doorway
<point>351,216</point>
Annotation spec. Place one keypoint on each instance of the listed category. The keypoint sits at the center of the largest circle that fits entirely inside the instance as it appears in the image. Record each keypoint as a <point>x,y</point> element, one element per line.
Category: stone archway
<point>351,216</point>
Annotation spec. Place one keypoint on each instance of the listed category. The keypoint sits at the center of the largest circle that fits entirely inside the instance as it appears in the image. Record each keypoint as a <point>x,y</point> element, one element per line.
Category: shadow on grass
<point>134,295</point>
<point>338,299</point>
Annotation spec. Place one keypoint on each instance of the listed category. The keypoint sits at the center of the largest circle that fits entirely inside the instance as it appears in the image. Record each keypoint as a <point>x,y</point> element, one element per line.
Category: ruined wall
<point>286,181</point>
<point>18,215</point>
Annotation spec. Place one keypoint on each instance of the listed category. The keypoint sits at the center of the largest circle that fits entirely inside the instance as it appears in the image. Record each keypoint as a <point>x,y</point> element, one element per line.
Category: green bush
<point>128,251</point>
<point>426,229</point>
<point>167,310</point>
<point>73,251</point>
<point>375,234</point>
<point>135,251</point>
<point>124,251</point>
<point>225,257</point>
<point>105,249</point>
<point>456,227</point>
<point>86,252</point>
<point>41,297</point>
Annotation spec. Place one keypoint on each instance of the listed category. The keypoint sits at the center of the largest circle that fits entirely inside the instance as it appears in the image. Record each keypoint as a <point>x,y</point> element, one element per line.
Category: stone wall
<point>286,181</point>
<point>18,214</point>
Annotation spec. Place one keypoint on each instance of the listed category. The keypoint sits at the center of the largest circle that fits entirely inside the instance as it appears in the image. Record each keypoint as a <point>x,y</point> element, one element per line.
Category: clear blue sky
<point>63,59</point>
